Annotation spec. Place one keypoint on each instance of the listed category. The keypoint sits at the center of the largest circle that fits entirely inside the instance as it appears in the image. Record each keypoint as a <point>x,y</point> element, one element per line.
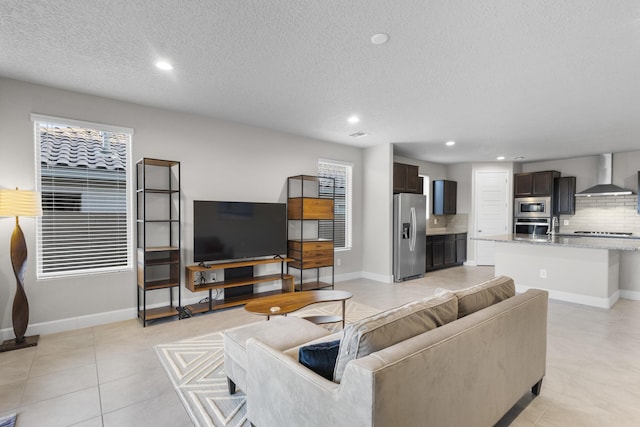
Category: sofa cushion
<point>483,295</point>
<point>280,333</point>
<point>390,327</point>
<point>320,357</point>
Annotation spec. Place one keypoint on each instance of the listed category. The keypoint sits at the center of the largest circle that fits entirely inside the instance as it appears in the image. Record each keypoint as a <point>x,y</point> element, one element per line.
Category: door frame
<point>473,229</point>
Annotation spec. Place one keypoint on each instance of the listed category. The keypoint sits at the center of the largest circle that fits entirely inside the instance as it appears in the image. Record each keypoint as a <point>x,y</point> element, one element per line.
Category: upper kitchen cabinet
<point>445,194</point>
<point>565,195</point>
<point>534,183</point>
<point>406,179</point>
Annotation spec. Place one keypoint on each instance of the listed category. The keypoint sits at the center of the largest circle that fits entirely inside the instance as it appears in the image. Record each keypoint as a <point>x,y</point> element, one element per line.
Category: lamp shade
<point>20,203</point>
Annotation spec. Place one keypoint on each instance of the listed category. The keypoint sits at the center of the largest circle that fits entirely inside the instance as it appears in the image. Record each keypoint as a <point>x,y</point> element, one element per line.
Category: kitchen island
<point>582,270</point>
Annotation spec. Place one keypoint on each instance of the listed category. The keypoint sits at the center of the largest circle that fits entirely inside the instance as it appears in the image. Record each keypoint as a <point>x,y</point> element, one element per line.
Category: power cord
<point>184,312</point>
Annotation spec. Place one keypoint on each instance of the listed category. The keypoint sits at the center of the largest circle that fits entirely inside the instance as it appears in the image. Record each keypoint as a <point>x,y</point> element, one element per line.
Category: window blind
<point>342,176</point>
<point>84,181</point>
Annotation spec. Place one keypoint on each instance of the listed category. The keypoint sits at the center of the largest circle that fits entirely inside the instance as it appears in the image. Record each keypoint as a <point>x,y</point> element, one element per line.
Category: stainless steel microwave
<point>532,207</point>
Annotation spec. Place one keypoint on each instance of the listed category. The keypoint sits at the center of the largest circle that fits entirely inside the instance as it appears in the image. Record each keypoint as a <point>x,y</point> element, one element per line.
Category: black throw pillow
<point>320,358</point>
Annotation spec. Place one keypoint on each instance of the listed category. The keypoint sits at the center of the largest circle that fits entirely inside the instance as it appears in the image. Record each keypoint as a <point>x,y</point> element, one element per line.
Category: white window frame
<point>426,189</point>
<point>348,222</point>
<point>39,119</point>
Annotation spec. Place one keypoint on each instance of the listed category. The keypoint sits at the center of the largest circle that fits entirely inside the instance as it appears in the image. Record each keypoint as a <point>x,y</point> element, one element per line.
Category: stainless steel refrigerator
<point>409,236</point>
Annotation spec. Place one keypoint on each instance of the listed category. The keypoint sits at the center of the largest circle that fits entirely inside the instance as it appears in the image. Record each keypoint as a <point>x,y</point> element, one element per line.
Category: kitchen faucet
<point>554,226</point>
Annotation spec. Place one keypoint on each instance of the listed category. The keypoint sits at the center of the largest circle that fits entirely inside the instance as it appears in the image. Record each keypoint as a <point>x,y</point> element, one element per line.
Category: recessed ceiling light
<point>353,119</point>
<point>450,143</point>
<point>358,134</point>
<point>500,158</point>
<point>518,158</point>
<point>164,65</point>
<point>380,38</point>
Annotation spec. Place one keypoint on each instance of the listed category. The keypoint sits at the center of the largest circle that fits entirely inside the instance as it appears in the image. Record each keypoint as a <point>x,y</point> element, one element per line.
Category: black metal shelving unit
<point>158,235</point>
<point>311,230</point>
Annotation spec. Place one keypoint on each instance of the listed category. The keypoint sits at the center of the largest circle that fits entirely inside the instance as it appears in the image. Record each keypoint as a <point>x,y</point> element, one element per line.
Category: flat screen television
<point>237,230</point>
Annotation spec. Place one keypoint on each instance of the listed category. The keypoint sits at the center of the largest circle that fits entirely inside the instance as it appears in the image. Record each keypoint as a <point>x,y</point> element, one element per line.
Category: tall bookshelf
<point>311,230</point>
<point>158,236</point>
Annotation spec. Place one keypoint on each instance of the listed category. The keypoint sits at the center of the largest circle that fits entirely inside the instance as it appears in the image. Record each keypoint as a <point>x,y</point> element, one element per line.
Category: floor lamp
<point>19,203</point>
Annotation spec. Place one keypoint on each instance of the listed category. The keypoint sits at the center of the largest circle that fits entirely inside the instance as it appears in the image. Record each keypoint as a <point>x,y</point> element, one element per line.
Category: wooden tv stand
<point>194,285</point>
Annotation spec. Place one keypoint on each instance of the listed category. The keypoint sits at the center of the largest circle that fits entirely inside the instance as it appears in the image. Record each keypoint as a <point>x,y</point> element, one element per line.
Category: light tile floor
<point>110,375</point>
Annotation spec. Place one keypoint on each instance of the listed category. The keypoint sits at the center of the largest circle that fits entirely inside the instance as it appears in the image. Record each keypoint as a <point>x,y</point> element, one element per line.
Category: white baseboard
<point>79,322</point>
<point>348,276</point>
<point>632,295</point>
<point>88,321</point>
<point>579,299</point>
<point>72,323</point>
<point>377,277</point>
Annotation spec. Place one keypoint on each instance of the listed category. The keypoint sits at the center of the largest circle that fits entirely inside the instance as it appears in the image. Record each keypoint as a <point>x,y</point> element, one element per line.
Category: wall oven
<point>532,207</point>
<point>532,226</point>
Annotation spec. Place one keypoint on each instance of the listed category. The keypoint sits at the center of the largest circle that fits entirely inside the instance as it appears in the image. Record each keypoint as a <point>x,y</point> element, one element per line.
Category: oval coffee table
<point>289,302</point>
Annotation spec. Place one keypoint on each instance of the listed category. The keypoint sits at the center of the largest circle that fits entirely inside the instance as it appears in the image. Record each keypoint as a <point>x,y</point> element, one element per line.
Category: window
<point>425,190</point>
<point>342,174</point>
<point>83,175</point>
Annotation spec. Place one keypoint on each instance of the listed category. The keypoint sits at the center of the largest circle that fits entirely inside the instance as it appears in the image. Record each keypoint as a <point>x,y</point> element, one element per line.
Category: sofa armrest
<point>281,391</point>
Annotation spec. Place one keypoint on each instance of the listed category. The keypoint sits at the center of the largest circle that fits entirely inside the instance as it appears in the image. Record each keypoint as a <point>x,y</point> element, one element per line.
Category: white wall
<point>585,169</point>
<point>625,169</point>
<point>378,213</point>
<point>219,161</point>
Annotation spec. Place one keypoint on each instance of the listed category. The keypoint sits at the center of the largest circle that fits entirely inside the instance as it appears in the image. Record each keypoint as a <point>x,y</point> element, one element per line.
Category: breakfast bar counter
<point>569,240</point>
<point>582,270</point>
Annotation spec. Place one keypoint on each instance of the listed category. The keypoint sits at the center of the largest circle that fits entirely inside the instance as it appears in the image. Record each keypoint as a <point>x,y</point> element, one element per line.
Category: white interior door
<point>492,211</point>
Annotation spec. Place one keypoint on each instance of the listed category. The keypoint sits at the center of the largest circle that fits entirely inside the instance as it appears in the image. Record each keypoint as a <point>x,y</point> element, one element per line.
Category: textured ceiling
<point>540,79</point>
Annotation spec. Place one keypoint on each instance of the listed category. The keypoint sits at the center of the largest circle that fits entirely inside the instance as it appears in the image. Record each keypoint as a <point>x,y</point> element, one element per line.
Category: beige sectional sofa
<point>481,350</point>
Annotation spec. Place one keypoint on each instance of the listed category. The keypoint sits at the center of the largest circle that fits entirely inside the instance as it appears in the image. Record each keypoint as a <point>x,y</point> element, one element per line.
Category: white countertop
<point>622,243</point>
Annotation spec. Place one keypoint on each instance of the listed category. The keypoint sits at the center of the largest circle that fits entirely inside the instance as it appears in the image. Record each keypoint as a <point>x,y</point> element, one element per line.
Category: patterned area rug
<point>196,369</point>
<point>8,421</point>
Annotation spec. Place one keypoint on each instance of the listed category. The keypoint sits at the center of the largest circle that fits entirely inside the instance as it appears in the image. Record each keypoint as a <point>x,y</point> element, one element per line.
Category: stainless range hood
<point>604,187</point>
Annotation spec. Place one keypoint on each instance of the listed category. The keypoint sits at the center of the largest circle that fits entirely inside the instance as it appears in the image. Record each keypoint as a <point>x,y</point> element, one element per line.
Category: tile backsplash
<point>604,213</point>
<point>458,223</point>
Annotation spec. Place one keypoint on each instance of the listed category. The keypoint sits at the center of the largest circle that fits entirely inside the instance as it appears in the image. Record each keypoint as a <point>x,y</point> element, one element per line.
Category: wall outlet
<point>338,262</point>
<point>435,220</point>
<point>213,277</point>
<point>543,273</point>
<point>565,222</point>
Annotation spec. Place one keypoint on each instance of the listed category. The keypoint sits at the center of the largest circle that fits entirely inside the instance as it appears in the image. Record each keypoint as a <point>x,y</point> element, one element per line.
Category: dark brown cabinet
<point>534,183</point>
<point>406,179</point>
<point>446,250</point>
<point>522,184</point>
<point>461,248</point>
<point>565,195</point>
<point>445,194</point>
<point>437,252</point>
<point>450,249</point>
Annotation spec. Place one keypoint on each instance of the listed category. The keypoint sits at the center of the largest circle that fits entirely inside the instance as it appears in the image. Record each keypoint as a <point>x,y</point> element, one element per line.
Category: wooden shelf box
<point>310,213</point>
